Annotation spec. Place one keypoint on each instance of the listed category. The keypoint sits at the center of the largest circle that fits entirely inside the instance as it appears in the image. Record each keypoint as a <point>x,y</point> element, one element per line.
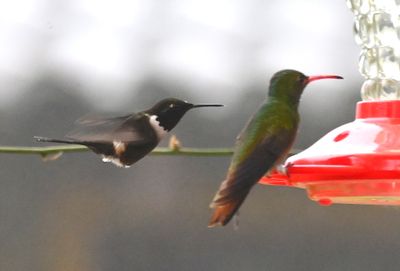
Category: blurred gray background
<point>62,59</point>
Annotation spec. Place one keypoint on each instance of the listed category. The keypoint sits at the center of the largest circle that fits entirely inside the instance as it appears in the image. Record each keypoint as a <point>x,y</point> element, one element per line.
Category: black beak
<point>207,105</point>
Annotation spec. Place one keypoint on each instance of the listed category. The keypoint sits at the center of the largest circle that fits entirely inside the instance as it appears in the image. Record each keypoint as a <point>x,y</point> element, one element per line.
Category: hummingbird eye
<point>301,79</point>
<point>171,106</point>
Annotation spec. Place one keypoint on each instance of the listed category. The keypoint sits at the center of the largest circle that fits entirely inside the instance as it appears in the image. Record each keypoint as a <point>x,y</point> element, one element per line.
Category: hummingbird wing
<point>133,129</point>
<point>122,140</point>
<point>263,143</point>
<point>96,119</point>
<point>243,176</point>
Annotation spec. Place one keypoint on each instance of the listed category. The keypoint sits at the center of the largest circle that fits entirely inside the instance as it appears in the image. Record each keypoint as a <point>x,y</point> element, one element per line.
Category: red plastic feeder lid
<point>357,163</point>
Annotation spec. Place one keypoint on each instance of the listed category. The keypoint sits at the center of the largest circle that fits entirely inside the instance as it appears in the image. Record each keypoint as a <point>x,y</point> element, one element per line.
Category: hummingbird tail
<point>224,213</point>
<point>47,139</point>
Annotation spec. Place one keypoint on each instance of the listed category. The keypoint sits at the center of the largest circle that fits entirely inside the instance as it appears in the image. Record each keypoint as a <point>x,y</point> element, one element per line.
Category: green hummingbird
<point>263,143</point>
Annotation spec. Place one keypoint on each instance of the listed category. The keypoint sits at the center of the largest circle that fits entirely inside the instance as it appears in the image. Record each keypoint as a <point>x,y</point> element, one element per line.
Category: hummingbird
<point>126,139</point>
<point>263,143</point>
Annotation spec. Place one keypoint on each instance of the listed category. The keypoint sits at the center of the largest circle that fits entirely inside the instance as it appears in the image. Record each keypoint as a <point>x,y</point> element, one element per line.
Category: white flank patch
<point>119,148</point>
<point>160,131</point>
<point>114,160</point>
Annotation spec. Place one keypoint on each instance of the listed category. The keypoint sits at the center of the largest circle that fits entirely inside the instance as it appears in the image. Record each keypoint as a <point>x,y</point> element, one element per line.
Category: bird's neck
<point>285,93</point>
<point>290,101</point>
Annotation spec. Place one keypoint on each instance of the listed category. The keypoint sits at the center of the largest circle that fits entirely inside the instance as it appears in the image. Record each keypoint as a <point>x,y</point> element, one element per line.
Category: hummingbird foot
<point>283,169</point>
<point>236,221</point>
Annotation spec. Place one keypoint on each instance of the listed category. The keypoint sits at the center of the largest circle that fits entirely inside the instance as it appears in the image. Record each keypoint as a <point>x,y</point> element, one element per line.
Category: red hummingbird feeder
<point>359,162</point>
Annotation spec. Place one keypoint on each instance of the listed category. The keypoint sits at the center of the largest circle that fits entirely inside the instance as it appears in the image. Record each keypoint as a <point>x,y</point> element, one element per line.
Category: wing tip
<point>48,139</point>
<point>41,139</point>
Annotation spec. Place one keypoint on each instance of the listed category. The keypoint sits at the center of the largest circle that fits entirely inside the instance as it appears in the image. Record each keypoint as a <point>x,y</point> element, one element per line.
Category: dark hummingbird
<point>263,143</point>
<point>126,139</point>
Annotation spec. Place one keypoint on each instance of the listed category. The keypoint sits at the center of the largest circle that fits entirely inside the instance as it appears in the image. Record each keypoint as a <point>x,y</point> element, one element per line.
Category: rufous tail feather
<point>224,213</point>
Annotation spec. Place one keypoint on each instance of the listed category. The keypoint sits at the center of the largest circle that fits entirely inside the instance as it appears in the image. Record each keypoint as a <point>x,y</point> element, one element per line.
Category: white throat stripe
<point>160,131</point>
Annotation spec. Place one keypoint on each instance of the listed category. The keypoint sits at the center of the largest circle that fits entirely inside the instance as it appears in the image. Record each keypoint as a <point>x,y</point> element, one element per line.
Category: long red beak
<point>318,77</point>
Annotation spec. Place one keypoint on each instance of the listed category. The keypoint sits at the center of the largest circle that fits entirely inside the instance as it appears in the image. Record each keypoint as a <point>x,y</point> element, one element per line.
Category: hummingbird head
<point>169,111</point>
<point>289,84</point>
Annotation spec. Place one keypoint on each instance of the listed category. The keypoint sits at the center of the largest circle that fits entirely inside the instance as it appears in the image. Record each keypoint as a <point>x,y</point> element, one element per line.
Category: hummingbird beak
<point>318,77</point>
<point>207,105</point>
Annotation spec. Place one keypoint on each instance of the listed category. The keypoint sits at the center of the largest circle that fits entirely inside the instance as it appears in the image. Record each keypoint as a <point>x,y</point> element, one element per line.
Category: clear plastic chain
<point>377,31</point>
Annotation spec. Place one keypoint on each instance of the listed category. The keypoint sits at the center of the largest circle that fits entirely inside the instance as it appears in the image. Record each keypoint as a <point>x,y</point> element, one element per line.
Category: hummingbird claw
<point>283,169</point>
<point>236,221</point>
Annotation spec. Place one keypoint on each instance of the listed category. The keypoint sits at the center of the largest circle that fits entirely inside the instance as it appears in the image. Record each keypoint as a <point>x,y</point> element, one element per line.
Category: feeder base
<point>371,192</point>
<point>356,163</point>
